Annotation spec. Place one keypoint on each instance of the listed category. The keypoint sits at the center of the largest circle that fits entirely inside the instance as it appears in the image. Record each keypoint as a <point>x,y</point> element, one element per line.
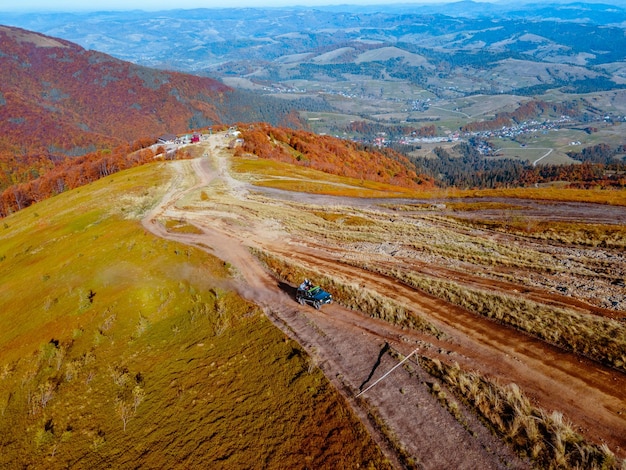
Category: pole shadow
<point>382,352</point>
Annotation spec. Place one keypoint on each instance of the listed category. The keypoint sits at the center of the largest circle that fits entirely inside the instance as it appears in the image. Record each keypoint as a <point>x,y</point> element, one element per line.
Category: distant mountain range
<point>140,74</point>
<point>503,47</point>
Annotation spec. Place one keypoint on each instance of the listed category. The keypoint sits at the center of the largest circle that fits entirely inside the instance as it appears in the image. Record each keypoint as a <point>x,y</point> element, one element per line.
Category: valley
<point>412,66</point>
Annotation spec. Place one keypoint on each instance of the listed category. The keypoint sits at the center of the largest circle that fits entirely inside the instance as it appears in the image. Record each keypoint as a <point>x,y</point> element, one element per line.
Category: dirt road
<point>351,348</point>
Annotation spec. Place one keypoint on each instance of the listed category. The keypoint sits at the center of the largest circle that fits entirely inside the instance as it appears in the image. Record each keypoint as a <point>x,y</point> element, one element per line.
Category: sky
<point>152,5</point>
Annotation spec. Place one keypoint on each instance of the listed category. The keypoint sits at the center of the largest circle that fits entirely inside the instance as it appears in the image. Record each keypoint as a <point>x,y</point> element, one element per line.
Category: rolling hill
<point>447,65</point>
<point>436,44</point>
<point>58,97</point>
<point>137,323</point>
<point>121,349</point>
<point>58,100</point>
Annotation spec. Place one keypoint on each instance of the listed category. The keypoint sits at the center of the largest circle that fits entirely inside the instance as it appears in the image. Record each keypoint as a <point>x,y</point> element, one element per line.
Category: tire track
<point>346,343</point>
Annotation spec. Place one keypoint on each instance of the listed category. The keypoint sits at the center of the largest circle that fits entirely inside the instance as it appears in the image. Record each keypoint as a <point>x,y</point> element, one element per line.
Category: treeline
<point>392,131</point>
<point>395,67</point>
<point>17,167</point>
<point>466,168</point>
<point>329,154</point>
<point>600,153</point>
<point>602,165</point>
<point>75,172</point>
<point>586,175</point>
<point>245,106</point>
<point>524,112</point>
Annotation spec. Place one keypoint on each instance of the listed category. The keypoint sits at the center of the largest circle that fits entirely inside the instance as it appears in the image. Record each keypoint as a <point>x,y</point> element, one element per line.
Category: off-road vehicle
<point>313,295</point>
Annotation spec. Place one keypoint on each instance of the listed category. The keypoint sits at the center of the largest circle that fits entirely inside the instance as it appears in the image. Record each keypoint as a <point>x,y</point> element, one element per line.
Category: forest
<point>69,116</point>
<point>60,101</point>
<point>75,172</point>
<point>463,167</point>
<point>330,154</point>
<point>601,166</point>
<point>529,110</point>
<point>369,128</point>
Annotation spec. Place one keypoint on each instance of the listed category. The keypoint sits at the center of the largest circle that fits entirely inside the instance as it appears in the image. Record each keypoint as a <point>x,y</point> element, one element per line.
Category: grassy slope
<point>120,349</point>
<point>269,173</point>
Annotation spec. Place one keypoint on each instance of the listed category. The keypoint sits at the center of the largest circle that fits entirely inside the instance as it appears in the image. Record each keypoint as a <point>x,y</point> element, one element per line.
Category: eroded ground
<point>368,244</point>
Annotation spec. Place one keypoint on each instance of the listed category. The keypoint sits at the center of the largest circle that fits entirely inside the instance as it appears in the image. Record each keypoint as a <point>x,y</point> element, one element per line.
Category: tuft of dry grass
<point>344,219</point>
<point>350,295</point>
<point>546,438</point>
<point>181,226</point>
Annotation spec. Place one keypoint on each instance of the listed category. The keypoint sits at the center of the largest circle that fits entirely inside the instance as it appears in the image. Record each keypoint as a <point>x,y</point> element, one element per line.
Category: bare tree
<point>124,410</point>
<point>138,396</point>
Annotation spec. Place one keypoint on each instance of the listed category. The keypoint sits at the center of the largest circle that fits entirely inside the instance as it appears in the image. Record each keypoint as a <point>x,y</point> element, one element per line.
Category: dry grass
<point>548,439</point>
<point>571,233</point>
<point>118,350</point>
<point>446,241</point>
<point>181,226</point>
<point>480,206</point>
<point>344,219</point>
<point>426,236</point>
<point>615,197</point>
<point>599,338</point>
<point>350,295</point>
<point>268,173</point>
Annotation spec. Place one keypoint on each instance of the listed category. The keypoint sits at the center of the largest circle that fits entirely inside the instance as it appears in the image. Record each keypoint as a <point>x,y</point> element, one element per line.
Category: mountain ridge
<point>458,41</point>
<point>59,100</point>
<point>89,93</point>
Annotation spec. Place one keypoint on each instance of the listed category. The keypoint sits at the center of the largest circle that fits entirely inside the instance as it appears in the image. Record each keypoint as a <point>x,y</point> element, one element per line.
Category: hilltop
<point>149,317</point>
<point>149,296</point>
<point>71,116</point>
<point>60,99</point>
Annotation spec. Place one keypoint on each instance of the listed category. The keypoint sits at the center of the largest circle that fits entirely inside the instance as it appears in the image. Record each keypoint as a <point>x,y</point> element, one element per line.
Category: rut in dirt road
<point>345,351</point>
<point>348,346</point>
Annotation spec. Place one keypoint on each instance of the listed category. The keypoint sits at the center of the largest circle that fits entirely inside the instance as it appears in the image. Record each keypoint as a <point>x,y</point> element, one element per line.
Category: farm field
<point>389,103</point>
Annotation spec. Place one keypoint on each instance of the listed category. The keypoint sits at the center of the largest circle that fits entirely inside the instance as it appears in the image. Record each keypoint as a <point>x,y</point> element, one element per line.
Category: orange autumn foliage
<point>330,154</point>
<point>76,172</point>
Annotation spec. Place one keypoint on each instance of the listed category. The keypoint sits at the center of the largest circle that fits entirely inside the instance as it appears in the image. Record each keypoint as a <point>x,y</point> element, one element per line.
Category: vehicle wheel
<point>317,305</point>
<point>301,301</point>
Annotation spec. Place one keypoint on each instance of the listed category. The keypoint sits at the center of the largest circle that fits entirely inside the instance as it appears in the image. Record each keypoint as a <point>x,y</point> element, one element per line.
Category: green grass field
<point>119,349</point>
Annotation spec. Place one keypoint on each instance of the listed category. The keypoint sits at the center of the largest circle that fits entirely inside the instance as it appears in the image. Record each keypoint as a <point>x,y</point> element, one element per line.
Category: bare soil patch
<point>406,419</point>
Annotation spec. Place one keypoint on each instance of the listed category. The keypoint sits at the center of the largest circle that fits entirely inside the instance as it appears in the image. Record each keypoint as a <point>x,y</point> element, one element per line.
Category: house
<point>166,139</point>
<point>233,132</point>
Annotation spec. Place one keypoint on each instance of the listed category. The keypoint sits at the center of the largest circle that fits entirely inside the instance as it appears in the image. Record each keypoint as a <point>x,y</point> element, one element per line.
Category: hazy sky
<point>103,5</point>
